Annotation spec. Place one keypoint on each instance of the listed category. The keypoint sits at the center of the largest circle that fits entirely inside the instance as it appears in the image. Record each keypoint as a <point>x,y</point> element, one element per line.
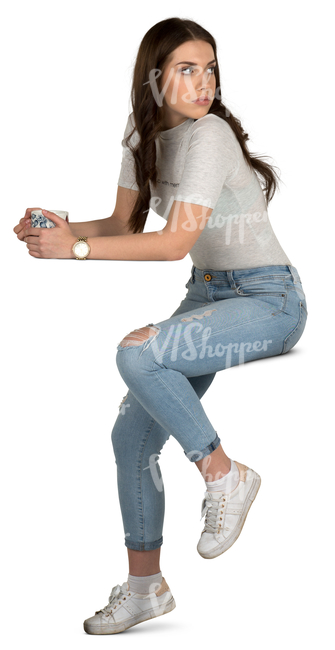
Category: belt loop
<point>231,279</point>
<point>294,274</point>
<point>192,273</point>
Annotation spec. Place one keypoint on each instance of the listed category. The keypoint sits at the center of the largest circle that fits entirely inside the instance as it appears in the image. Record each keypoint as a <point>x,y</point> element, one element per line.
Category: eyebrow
<point>192,63</point>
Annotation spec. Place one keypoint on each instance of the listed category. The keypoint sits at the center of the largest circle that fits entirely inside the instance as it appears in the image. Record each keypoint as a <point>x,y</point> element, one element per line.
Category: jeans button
<point>208,277</point>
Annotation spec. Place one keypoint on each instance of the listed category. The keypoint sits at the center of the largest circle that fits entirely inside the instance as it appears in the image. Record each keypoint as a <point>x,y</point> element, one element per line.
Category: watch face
<point>82,249</point>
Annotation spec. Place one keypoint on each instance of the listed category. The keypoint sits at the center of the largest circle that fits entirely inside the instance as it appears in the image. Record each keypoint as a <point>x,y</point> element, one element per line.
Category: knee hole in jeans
<point>137,336</point>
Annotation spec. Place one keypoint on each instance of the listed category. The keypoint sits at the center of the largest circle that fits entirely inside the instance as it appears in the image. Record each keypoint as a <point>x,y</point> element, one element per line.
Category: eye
<point>191,68</point>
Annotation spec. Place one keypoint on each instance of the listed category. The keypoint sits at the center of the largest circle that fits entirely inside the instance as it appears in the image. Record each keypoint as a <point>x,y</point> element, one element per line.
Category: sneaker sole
<point>224,546</point>
<point>139,618</point>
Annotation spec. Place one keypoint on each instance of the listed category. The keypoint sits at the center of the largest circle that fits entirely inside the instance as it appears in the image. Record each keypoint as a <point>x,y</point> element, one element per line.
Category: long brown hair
<point>154,52</point>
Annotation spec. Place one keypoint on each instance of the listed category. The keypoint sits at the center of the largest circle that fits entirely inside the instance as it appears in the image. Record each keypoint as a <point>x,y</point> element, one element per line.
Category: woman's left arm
<point>184,225</point>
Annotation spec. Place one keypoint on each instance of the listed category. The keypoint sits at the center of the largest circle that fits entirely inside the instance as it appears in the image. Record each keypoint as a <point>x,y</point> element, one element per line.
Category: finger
<point>20,230</point>
<point>22,222</point>
<point>32,240</point>
<point>33,247</point>
<point>34,254</point>
<point>19,226</point>
<point>29,211</point>
<point>34,232</point>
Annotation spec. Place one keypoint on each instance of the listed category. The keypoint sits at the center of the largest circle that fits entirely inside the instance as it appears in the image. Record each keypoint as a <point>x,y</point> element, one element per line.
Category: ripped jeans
<point>227,318</point>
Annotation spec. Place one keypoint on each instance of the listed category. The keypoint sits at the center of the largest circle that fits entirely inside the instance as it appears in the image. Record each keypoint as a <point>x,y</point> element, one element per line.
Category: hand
<point>24,223</point>
<point>50,243</point>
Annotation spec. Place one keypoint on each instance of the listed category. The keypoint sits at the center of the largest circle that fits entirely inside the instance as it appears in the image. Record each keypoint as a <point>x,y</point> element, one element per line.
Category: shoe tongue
<point>215,496</point>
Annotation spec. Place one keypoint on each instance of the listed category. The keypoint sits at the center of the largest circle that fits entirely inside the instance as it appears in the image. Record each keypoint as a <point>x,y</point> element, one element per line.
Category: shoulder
<point>213,134</point>
<point>213,127</point>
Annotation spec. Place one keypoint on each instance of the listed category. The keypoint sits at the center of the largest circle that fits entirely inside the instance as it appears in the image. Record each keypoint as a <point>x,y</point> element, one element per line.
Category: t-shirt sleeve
<point>210,159</point>
<point>127,176</point>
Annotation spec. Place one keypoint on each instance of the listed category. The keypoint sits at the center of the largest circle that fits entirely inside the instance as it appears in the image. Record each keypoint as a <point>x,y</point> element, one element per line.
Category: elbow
<point>175,255</point>
<point>173,252</point>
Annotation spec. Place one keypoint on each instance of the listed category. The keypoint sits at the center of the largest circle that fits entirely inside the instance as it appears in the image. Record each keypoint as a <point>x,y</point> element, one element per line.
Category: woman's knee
<point>138,336</point>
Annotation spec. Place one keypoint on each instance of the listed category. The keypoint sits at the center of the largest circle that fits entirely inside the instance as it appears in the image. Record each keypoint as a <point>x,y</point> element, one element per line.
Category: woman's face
<point>182,83</point>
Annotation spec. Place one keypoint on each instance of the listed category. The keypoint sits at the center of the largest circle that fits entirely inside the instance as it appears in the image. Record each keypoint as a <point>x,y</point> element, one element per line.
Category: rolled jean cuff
<point>198,455</point>
<point>144,546</point>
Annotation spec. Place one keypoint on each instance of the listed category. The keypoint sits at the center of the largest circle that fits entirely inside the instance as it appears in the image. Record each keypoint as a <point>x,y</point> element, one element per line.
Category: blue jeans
<point>227,318</point>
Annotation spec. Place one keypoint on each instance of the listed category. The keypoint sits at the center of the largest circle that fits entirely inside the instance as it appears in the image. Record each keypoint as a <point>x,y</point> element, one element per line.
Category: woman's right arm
<point>99,228</point>
<point>116,224</point>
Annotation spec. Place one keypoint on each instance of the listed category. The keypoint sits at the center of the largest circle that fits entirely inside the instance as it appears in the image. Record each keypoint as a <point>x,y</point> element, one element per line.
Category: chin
<point>200,111</point>
<point>195,109</point>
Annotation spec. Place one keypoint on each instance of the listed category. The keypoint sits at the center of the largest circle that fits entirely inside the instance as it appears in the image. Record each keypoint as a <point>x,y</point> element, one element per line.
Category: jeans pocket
<point>273,291</point>
<point>294,336</point>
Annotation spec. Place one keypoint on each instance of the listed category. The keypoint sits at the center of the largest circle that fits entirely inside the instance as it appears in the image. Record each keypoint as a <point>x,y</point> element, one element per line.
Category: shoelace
<point>211,510</point>
<point>115,596</point>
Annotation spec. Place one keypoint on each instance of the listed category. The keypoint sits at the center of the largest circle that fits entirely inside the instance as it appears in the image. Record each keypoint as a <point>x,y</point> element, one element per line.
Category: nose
<point>204,81</point>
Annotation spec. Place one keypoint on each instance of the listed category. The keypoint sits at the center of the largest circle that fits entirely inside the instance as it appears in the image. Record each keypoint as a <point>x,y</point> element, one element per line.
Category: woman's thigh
<point>232,325</point>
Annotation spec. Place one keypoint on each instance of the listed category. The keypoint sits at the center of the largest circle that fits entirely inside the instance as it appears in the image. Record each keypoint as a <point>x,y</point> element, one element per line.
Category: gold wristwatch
<point>81,248</point>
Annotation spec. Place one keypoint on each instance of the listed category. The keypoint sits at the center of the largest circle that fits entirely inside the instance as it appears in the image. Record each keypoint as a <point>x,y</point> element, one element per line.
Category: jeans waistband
<point>239,274</point>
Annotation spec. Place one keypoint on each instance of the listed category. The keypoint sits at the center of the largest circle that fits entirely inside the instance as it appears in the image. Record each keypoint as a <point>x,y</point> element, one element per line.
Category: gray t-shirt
<point>201,161</point>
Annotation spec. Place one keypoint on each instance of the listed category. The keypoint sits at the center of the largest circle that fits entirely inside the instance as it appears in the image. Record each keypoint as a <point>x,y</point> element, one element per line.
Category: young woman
<point>185,156</point>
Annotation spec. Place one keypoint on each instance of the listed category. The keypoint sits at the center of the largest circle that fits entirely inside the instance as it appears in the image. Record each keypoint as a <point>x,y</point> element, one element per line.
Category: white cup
<point>38,220</point>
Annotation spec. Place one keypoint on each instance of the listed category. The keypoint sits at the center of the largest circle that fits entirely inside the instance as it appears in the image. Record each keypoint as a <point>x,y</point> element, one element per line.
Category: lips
<point>201,99</point>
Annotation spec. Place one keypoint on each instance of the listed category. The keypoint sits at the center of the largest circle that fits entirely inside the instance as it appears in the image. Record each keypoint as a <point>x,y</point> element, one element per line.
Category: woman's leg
<point>250,315</point>
<point>144,563</point>
<point>137,442</point>
<point>228,329</point>
<point>215,465</point>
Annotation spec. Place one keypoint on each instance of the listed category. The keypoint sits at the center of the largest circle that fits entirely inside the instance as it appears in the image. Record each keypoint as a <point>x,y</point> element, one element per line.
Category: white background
<point>65,82</point>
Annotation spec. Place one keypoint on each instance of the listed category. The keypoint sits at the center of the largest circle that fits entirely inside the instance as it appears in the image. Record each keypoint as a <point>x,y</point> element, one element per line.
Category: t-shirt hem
<point>128,186</point>
<point>205,203</point>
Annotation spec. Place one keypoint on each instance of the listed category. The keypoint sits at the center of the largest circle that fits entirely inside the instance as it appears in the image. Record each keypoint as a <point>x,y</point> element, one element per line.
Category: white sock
<point>227,483</point>
<point>144,584</point>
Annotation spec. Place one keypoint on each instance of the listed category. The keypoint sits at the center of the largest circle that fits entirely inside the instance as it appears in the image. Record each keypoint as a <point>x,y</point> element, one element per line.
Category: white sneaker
<point>226,513</point>
<point>126,608</point>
